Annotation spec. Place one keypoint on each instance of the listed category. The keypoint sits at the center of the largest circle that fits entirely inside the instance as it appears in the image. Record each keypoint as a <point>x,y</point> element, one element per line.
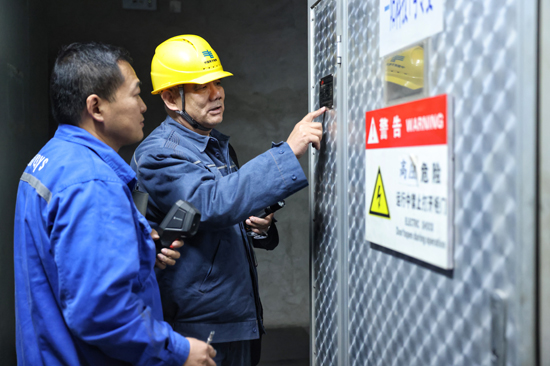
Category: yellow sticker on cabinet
<point>379,203</point>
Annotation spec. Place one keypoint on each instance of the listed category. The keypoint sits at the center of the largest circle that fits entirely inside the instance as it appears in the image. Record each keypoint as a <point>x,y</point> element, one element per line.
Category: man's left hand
<point>167,256</point>
<point>258,225</point>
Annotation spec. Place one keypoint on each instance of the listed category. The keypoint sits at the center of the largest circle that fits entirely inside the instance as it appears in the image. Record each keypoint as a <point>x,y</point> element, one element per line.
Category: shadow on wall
<point>285,347</point>
<point>24,111</point>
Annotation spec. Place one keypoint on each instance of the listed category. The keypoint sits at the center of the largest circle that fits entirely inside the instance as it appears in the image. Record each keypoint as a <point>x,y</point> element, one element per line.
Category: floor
<point>285,347</point>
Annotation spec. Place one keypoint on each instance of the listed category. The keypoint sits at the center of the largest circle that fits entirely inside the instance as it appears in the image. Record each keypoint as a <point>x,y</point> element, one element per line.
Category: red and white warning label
<point>408,180</point>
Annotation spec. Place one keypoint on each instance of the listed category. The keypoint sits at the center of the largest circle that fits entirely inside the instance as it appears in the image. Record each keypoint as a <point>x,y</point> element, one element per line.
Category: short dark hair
<point>80,70</point>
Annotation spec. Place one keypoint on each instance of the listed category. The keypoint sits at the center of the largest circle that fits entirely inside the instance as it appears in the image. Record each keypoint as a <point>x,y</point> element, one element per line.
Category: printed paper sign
<point>408,180</point>
<point>405,22</point>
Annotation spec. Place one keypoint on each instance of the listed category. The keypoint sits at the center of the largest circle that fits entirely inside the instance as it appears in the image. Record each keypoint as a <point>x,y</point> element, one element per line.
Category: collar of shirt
<point>106,153</point>
<point>198,140</point>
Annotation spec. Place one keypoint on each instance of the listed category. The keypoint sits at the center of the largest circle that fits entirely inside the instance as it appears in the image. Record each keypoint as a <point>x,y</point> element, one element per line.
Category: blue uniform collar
<point>198,140</point>
<point>80,136</point>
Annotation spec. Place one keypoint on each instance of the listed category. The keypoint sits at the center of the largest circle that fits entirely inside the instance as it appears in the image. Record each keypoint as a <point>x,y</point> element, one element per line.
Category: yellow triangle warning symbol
<point>379,203</point>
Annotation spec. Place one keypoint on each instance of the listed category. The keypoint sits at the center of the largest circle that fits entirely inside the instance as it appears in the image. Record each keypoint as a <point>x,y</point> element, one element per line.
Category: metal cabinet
<point>373,306</point>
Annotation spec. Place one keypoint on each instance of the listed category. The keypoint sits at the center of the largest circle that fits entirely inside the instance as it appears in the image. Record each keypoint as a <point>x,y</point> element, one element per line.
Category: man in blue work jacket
<point>85,289</point>
<point>214,286</point>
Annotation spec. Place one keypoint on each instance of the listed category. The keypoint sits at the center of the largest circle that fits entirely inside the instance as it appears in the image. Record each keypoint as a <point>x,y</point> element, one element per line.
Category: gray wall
<point>544,181</point>
<point>24,124</point>
<point>264,44</point>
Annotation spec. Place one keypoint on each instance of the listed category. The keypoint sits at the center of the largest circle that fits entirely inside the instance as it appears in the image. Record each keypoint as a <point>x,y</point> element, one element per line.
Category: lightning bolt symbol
<point>378,196</point>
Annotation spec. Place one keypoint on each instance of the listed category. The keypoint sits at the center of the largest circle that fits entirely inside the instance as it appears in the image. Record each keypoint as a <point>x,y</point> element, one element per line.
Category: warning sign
<point>373,135</point>
<point>379,204</point>
<point>408,145</point>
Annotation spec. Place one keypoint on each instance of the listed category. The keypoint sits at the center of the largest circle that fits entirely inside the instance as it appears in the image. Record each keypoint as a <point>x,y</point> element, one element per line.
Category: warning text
<point>422,202</point>
<point>425,123</point>
<point>420,238</point>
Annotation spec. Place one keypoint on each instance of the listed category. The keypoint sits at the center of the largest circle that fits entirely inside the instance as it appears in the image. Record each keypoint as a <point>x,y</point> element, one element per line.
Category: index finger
<point>260,221</point>
<point>312,115</point>
<point>178,243</point>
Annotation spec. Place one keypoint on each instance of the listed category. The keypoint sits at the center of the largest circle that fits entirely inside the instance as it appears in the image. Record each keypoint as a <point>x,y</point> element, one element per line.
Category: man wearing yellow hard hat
<point>214,286</point>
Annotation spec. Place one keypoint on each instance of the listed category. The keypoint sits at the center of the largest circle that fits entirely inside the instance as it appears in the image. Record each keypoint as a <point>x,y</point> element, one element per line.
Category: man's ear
<point>94,106</point>
<point>170,97</point>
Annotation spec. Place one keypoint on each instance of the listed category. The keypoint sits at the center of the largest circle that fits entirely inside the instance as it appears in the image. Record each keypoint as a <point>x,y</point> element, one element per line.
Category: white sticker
<point>405,22</point>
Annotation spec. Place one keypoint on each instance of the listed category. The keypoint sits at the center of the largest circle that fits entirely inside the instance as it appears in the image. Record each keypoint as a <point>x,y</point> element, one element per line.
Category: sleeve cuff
<point>289,167</point>
<point>179,348</point>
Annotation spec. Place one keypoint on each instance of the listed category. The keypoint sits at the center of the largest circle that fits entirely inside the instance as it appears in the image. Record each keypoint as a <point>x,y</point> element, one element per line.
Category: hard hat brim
<point>405,83</point>
<point>200,80</point>
<point>211,77</point>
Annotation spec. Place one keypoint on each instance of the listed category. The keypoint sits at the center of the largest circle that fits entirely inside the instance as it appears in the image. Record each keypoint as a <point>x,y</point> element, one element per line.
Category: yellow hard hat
<point>407,68</point>
<point>185,59</point>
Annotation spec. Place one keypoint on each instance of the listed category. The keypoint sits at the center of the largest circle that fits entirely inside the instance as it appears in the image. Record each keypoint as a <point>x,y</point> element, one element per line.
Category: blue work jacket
<point>214,285</point>
<point>85,288</point>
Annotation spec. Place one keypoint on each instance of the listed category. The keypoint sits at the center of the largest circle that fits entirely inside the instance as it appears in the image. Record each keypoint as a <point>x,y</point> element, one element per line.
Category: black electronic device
<point>182,221</point>
<point>270,209</point>
<point>326,92</point>
<point>262,214</point>
<point>140,200</point>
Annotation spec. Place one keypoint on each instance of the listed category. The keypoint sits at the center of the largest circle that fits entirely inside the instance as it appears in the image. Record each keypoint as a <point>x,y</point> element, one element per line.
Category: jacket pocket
<point>212,273</point>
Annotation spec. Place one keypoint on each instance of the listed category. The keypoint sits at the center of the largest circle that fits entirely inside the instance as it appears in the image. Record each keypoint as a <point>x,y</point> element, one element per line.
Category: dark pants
<point>232,353</point>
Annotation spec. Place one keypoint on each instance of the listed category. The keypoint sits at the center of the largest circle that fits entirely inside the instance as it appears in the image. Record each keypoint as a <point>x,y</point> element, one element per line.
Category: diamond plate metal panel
<point>402,312</point>
<point>324,241</point>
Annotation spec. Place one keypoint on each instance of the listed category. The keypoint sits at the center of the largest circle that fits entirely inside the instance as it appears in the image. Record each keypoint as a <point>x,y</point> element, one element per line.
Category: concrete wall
<point>264,44</point>
<point>24,125</point>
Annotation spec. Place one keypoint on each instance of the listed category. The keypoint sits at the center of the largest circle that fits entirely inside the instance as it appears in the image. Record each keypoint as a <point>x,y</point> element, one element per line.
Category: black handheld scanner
<point>270,209</point>
<point>266,211</point>
<point>182,221</point>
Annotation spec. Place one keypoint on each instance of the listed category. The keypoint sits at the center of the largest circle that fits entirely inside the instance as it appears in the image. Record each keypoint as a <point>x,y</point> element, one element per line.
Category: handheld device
<point>262,214</point>
<point>270,209</point>
<point>182,221</point>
